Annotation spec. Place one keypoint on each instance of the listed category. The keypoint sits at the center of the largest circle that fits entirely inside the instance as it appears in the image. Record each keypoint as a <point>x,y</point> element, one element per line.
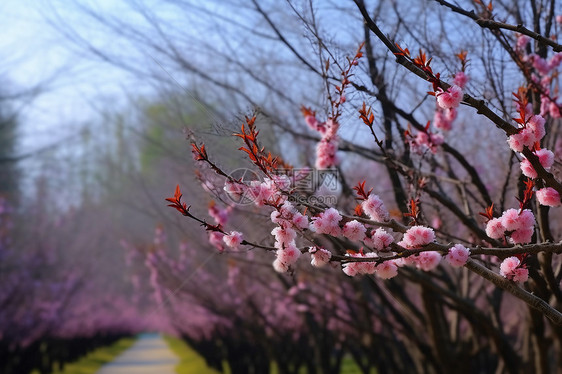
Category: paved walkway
<point>149,355</point>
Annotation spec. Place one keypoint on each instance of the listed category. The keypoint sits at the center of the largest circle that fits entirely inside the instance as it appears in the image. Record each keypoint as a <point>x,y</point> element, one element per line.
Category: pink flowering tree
<point>52,311</point>
<point>458,242</point>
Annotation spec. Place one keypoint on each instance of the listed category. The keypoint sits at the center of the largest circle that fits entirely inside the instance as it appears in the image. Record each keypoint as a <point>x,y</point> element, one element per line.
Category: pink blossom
<point>539,64</point>
<point>326,153</point>
<point>461,79</point>
<point>281,182</point>
<point>436,222</point>
<point>451,114</point>
<point>276,217</point>
<point>436,140</point>
<point>368,267</point>
<point>410,260</point>
<point>364,267</point>
<point>520,275</point>
<point>422,139</point>
<point>284,236</point>
<point>288,209</point>
<point>545,103</point>
<point>374,208</point>
<point>219,215</point>
<point>440,121</point>
<point>559,18</point>
<point>450,98</point>
<point>548,196</point>
<point>334,230</point>
<point>331,128</point>
<point>320,256</point>
<point>319,226</point>
<point>280,266</point>
<point>508,266</point>
<point>522,41</point>
<point>511,269</point>
<point>350,268</point>
<point>458,255</point>
<point>495,228</point>
<point>234,190</point>
<point>354,230</point>
<point>300,221</point>
<point>428,261</point>
<point>525,138</point>
<point>546,157</point>
<point>527,169</point>
<point>386,270</point>
<point>233,240</point>
<point>510,219</point>
<point>526,219</point>
<point>522,236</point>
<point>381,240</point>
<point>267,191</point>
<point>285,258</point>
<point>536,125</point>
<point>327,222</point>
<point>289,255</point>
<point>515,143</point>
<point>215,238</point>
<point>332,216</point>
<point>312,122</point>
<point>418,236</point>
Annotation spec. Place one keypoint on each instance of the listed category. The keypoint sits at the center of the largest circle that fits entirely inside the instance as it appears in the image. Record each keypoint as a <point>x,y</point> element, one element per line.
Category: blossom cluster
<point>445,113</point>
<point>374,208</point>
<point>529,135</point>
<point>288,219</point>
<point>532,127</point>
<point>384,270</point>
<point>425,140</point>
<point>320,256</point>
<point>220,216</point>
<point>328,145</point>
<point>271,190</point>
<point>449,99</point>
<point>548,196</point>
<point>519,225</point>
<point>512,269</point>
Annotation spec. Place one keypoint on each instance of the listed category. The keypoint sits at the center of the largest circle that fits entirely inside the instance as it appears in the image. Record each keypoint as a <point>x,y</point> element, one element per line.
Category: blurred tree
<point>9,171</point>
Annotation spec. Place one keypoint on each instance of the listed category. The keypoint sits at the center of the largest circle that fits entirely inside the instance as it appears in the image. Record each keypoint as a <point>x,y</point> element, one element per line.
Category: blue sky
<point>35,54</point>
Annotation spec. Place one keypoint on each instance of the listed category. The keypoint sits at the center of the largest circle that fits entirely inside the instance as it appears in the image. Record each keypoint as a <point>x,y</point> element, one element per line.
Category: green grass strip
<point>93,361</point>
<point>190,361</point>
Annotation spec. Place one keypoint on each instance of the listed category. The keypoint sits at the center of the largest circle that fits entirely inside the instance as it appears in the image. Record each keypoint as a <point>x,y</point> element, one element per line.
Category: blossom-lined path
<point>149,355</point>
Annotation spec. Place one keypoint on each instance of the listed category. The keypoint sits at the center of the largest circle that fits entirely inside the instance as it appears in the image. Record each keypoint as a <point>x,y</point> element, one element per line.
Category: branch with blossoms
<point>450,96</point>
<point>515,226</point>
<point>418,246</point>
<point>485,20</point>
<point>233,239</point>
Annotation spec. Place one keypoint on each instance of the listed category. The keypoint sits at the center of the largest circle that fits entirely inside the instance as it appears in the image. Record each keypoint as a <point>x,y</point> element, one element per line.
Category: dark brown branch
<point>495,25</point>
<point>479,105</point>
<point>533,301</point>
